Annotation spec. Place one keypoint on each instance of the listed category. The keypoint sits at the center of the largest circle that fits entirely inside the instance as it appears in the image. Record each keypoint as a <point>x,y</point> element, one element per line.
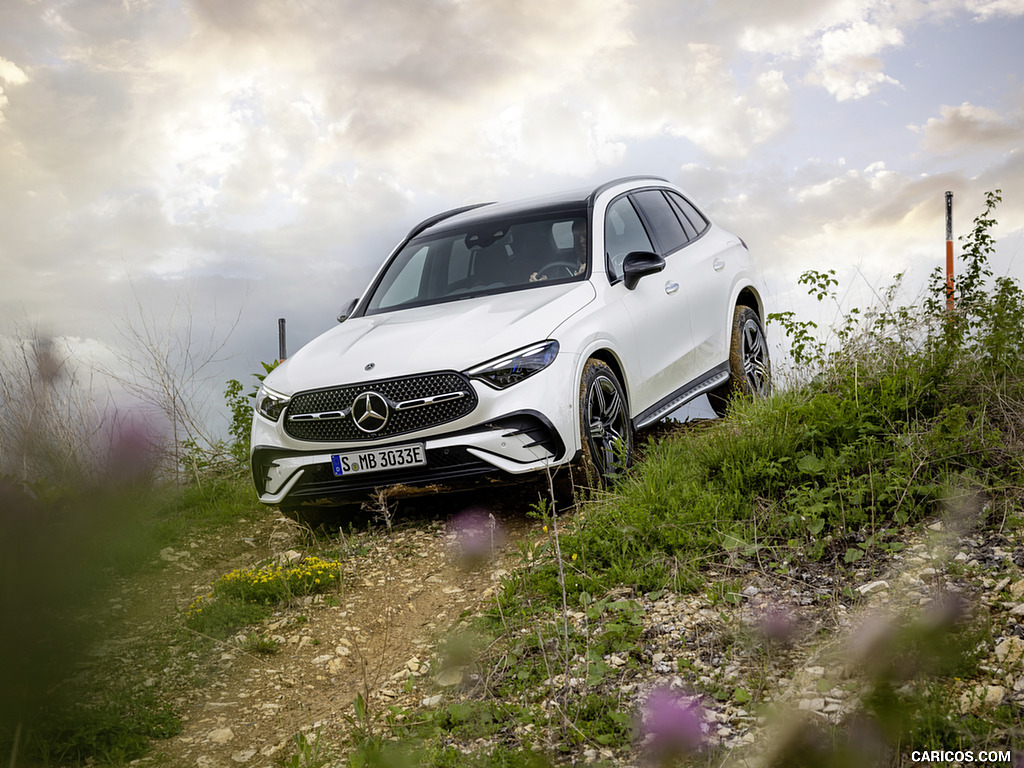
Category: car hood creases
<point>455,335</point>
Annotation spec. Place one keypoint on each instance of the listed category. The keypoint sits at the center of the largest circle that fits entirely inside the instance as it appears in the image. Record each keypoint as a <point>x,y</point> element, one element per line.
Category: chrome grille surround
<point>414,403</point>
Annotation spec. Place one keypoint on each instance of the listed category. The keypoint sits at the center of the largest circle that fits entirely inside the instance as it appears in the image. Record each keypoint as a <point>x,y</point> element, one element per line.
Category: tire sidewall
<point>743,316</point>
<point>738,386</point>
<point>593,371</point>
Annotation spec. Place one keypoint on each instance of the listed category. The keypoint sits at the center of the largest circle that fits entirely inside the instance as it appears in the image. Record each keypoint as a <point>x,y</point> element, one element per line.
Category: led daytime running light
<point>271,404</point>
<point>516,366</point>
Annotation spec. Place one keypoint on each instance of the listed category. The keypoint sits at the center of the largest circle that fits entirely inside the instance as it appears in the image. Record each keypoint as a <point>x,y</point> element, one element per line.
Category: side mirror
<point>347,311</point>
<point>640,263</point>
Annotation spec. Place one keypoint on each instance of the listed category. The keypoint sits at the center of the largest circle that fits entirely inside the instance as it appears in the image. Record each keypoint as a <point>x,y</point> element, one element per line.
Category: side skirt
<point>713,379</point>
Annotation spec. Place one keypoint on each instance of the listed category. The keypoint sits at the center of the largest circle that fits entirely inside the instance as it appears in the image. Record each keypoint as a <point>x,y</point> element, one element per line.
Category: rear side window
<point>689,213</point>
<point>668,230</point>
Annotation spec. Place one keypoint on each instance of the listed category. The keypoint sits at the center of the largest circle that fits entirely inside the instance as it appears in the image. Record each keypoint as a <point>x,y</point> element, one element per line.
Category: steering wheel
<point>570,269</point>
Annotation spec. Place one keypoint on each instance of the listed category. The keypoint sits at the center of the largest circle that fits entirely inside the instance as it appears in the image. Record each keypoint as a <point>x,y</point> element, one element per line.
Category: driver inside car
<point>579,245</point>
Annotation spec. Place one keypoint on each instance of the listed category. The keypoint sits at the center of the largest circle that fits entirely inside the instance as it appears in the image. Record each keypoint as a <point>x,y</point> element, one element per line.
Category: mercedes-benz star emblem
<point>370,412</point>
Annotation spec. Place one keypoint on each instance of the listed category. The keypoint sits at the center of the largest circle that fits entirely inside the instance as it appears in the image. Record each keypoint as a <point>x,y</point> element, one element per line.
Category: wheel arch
<point>749,297</point>
<point>607,356</point>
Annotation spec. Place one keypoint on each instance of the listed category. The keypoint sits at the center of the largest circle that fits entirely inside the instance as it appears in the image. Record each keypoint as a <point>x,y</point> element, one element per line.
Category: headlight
<point>514,367</point>
<point>270,404</point>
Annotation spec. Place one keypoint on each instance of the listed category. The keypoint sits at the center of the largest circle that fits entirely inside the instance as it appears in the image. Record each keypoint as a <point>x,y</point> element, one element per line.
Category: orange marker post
<point>949,251</point>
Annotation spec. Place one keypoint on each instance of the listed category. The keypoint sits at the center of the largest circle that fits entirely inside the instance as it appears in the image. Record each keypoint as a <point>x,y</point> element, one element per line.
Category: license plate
<point>379,459</point>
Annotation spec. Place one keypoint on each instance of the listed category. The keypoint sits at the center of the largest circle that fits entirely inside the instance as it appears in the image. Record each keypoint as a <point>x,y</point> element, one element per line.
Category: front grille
<point>407,411</point>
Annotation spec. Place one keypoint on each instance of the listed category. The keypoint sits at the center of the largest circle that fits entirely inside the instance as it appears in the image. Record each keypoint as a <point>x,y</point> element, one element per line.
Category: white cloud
<point>848,66</point>
<point>840,44</point>
<point>968,127</point>
<point>858,41</point>
<point>986,9</point>
<point>11,73</point>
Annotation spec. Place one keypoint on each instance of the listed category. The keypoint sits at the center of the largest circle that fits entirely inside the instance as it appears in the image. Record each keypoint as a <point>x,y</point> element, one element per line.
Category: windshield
<point>485,258</point>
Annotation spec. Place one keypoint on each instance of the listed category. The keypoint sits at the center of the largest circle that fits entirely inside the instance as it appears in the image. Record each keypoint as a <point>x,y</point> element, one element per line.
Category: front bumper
<point>499,450</point>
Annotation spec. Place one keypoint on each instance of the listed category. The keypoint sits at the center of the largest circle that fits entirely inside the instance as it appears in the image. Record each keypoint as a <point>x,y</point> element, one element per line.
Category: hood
<point>453,336</point>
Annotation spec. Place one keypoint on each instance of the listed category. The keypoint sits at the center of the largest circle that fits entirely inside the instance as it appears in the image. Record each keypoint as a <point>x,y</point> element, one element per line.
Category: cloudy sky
<point>220,160</point>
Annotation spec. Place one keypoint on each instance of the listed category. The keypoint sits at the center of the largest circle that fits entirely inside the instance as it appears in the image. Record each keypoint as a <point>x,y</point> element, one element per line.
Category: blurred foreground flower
<point>776,623</point>
<point>673,725</point>
<point>132,452</point>
<point>476,534</point>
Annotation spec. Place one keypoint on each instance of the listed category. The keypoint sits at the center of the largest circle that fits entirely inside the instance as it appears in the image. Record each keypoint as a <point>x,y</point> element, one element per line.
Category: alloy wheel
<point>607,426</point>
<point>755,359</point>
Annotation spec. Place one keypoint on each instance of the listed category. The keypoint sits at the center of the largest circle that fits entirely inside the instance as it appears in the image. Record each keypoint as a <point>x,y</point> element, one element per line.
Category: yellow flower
<point>574,556</point>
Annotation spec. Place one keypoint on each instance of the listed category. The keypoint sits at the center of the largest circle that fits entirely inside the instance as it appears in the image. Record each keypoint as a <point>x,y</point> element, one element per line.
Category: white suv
<point>502,340</point>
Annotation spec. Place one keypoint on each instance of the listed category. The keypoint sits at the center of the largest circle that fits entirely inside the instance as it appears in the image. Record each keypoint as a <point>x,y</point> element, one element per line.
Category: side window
<point>623,233</point>
<point>667,229</point>
<point>689,214</point>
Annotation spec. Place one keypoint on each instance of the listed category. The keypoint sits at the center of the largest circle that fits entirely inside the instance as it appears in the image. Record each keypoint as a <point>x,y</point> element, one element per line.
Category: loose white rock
<point>288,558</point>
<point>220,736</point>
<point>874,586</point>
<point>981,697</point>
<point>1017,590</point>
<point>450,677</point>
<point>1010,650</point>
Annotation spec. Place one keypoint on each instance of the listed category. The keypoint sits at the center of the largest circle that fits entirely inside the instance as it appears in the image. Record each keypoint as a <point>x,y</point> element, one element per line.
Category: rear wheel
<point>750,371</point>
<point>606,431</point>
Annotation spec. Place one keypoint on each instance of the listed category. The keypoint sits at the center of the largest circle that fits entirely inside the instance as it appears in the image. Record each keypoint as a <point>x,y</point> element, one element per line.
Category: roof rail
<point>614,182</point>
<point>441,217</point>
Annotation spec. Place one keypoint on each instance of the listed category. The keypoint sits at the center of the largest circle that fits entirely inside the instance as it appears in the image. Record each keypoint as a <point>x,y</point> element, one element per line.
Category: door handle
<point>718,264</point>
<point>671,287</point>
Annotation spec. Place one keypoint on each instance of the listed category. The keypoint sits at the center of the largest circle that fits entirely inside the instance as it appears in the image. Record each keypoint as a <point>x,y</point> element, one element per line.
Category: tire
<point>606,431</point>
<point>750,370</point>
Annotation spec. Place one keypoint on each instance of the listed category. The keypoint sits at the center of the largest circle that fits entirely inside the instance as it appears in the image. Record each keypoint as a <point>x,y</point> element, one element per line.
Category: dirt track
<point>402,590</point>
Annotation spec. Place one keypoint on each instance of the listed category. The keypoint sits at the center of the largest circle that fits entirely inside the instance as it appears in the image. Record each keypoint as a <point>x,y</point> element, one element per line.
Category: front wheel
<point>606,431</point>
<point>750,370</point>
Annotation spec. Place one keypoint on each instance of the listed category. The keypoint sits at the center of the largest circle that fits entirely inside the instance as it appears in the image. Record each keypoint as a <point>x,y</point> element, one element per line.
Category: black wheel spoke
<point>612,409</point>
<point>607,426</point>
<point>755,358</point>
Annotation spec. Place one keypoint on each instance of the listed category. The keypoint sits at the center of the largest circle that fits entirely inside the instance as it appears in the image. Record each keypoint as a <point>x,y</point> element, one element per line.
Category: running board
<point>660,410</point>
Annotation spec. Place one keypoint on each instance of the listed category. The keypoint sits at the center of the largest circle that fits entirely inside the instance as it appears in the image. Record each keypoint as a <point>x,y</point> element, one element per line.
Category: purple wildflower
<point>776,623</point>
<point>131,450</point>
<point>673,724</point>
<point>476,533</point>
